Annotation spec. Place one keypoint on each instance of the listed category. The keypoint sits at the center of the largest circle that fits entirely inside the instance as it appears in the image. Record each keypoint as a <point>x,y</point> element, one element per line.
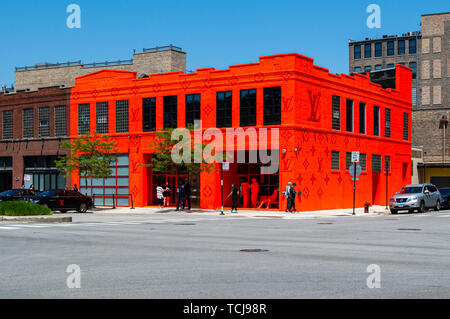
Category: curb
<point>37,219</point>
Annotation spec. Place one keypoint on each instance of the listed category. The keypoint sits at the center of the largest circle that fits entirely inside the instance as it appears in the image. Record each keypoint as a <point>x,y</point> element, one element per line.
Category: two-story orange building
<point>320,118</point>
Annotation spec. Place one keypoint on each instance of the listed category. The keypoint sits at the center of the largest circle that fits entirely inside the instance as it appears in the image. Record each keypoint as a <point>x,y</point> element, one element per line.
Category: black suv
<point>63,200</point>
<point>16,194</point>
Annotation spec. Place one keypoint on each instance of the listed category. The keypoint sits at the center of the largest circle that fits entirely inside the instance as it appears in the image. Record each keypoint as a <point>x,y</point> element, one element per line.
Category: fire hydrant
<point>366,207</point>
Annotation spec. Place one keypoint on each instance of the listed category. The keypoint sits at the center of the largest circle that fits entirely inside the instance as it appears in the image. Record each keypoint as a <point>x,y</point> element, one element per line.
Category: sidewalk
<point>245,213</point>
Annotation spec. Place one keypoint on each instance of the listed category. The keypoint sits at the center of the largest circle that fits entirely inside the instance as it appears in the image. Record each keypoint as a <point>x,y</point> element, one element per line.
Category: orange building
<point>320,117</point>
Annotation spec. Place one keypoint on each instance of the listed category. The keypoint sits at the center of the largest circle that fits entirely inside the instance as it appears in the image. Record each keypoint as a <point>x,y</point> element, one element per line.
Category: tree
<point>90,156</point>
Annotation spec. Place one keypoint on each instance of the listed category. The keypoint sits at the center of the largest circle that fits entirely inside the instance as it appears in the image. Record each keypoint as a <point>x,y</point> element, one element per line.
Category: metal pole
<point>221,189</point>
<point>114,202</point>
<point>354,186</point>
<point>132,205</point>
<point>387,173</point>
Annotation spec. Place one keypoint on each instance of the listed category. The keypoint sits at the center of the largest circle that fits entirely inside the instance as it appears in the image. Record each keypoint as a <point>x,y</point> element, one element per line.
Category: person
<point>254,188</point>
<point>292,193</point>
<point>23,186</point>
<point>180,196</point>
<point>166,195</point>
<point>75,188</point>
<point>159,195</point>
<point>31,187</point>
<point>286,193</point>
<point>187,194</point>
<point>234,196</point>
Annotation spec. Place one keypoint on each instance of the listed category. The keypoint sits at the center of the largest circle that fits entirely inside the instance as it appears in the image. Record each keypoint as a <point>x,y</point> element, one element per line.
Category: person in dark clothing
<point>187,194</point>
<point>292,194</point>
<point>75,188</point>
<point>180,196</point>
<point>234,196</point>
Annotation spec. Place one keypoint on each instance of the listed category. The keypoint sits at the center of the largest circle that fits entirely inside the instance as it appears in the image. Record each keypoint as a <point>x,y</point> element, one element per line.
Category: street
<point>195,256</point>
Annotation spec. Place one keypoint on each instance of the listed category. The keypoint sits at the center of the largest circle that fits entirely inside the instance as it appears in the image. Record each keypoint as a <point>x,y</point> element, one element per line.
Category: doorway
<point>173,181</point>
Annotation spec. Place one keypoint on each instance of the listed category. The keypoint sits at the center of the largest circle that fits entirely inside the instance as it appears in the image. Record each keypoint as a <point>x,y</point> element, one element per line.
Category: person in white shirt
<point>159,195</point>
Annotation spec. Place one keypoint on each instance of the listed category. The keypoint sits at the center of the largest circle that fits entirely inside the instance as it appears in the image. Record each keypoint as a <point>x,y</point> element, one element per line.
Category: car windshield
<point>47,193</point>
<point>411,190</point>
<point>11,192</point>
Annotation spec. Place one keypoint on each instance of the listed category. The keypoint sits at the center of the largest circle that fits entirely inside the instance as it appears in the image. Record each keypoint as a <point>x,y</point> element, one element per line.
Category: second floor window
<point>101,114</point>
<point>149,114</point>
<point>367,51</point>
<point>336,112</point>
<point>7,119</point>
<point>390,48</point>
<point>170,111</point>
<point>349,115</point>
<point>224,108</point>
<point>60,120</point>
<point>412,46</point>
<point>405,126</point>
<point>272,106</point>
<point>357,51</point>
<point>248,107</point>
<point>44,121</point>
<point>84,119</point>
<point>378,49</point>
<point>192,108</point>
<point>122,116</point>
<point>387,123</point>
<point>362,118</point>
<point>28,123</point>
<point>376,120</point>
<point>401,47</point>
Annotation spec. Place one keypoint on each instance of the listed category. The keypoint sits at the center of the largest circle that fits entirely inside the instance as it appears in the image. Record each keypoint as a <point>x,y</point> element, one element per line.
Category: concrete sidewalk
<point>247,213</point>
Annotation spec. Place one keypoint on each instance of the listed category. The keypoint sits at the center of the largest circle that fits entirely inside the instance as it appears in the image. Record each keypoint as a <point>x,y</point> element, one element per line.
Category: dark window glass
<point>378,49</point>
<point>367,68</point>
<point>363,161</point>
<point>357,69</point>
<point>362,118</point>
<point>224,107</point>
<point>390,48</point>
<point>390,65</point>
<point>387,163</point>
<point>84,119</point>
<point>348,160</point>
<point>378,67</point>
<point>405,126</point>
<point>149,114</point>
<point>387,123</point>
<point>101,114</point>
<point>401,47</point>
<point>335,160</point>
<point>412,46</point>
<point>7,119</point>
<point>349,116</point>
<point>170,111</point>
<point>122,116</point>
<point>368,51</point>
<point>248,107</point>
<point>376,163</point>
<point>413,66</point>
<point>60,121</point>
<point>357,52</point>
<point>28,123</point>
<point>44,121</point>
<point>376,120</point>
<point>272,106</point>
<point>192,108</point>
<point>336,112</point>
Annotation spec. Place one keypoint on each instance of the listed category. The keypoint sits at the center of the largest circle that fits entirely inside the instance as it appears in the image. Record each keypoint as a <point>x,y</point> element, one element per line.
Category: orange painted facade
<point>305,132</point>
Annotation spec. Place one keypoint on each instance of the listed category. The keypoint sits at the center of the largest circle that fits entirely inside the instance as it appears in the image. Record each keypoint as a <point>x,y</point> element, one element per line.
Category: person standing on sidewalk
<point>286,193</point>
<point>166,195</point>
<point>159,195</point>
<point>180,196</point>
<point>292,194</point>
<point>234,196</point>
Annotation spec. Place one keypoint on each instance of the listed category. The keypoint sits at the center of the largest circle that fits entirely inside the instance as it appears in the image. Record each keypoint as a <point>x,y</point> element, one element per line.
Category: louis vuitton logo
<point>287,103</point>
<point>314,106</point>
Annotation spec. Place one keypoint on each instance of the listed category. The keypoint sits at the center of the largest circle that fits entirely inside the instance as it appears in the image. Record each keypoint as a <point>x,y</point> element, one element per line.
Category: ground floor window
<point>41,172</point>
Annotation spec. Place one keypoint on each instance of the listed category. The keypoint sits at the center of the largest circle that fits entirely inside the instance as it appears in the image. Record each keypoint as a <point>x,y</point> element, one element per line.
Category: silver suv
<point>416,197</point>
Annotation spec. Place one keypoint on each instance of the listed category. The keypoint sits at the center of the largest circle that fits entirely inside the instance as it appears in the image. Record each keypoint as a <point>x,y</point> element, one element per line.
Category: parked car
<point>445,194</point>
<point>63,200</point>
<point>416,197</point>
<point>16,194</point>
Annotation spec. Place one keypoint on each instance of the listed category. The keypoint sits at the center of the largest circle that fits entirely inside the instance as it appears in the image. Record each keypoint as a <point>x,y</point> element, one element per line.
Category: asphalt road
<point>169,256</point>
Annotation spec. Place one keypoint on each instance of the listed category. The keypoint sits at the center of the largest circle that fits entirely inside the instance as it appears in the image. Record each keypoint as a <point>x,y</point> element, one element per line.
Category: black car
<point>16,194</point>
<point>63,200</point>
<point>445,194</point>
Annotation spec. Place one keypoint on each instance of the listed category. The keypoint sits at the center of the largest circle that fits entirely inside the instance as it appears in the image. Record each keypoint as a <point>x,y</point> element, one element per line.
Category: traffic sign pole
<point>354,187</point>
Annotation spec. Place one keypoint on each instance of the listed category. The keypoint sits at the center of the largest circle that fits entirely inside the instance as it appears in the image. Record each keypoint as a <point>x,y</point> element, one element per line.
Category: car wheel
<point>82,208</point>
<point>393,211</point>
<point>438,205</point>
<point>422,207</point>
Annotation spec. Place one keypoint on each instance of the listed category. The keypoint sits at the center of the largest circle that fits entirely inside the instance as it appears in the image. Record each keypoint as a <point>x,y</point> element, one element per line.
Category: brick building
<point>320,117</point>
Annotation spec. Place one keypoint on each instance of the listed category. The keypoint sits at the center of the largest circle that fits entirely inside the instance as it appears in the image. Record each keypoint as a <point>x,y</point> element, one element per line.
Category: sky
<point>213,33</point>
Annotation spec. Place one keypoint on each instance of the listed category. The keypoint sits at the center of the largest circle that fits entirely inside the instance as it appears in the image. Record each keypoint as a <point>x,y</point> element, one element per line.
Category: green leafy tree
<point>90,156</point>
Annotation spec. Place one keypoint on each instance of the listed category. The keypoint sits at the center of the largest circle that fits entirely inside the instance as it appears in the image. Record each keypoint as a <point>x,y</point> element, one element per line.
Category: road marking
<point>8,227</point>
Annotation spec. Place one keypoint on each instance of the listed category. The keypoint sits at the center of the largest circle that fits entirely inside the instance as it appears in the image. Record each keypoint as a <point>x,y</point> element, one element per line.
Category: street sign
<point>226,166</point>
<point>355,171</point>
<point>355,157</point>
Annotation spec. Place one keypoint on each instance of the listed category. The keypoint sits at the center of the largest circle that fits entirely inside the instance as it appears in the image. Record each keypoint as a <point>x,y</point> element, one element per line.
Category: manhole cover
<point>413,229</point>
<point>253,250</point>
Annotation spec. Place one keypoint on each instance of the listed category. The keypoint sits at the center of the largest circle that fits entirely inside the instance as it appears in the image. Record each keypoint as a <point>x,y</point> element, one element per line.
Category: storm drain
<point>412,229</point>
<point>253,250</point>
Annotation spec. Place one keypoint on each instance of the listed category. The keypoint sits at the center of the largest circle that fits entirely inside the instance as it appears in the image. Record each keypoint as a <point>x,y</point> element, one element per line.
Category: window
<point>367,51</point>
<point>414,96</point>
<point>224,107</point>
<point>336,112</point>
<point>363,161</point>
<point>122,116</point>
<point>387,123</point>
<point>412,46</point>
<point>192,108</point>
<point>248,107</point>
<point>272,106</point>
<point>149,114</point>
<point>60,121</point>
<point>44,118</point>
<point>390,65</point>
<point>405,126</point>
<point>349,116</point>
<point>7,120</point>
<point>357,52</point>
<point>28,121</point>
<point>390,48</point>
<point>376,120</point>
<point>378,67</point>
<point>84,119</point>
<point>170,111</point>
<point>378,49</point>
<point>367,68</point>
<point>101,113</point>
<point>362,118</point>
<point>376,163</point>
<point>335,160</point>
<point>387,163</point>
<point>413,66</point>
<point>348,160</point>
<point>401,47</point>
<point>357,69</point>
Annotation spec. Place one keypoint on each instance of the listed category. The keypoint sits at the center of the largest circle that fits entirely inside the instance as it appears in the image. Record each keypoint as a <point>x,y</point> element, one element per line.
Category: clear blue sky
<point>213,33</point>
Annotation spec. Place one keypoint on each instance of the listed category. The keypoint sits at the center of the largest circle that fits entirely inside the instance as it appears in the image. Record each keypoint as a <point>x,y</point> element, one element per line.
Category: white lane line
<point>8,227</point>
<point>30,226</point>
